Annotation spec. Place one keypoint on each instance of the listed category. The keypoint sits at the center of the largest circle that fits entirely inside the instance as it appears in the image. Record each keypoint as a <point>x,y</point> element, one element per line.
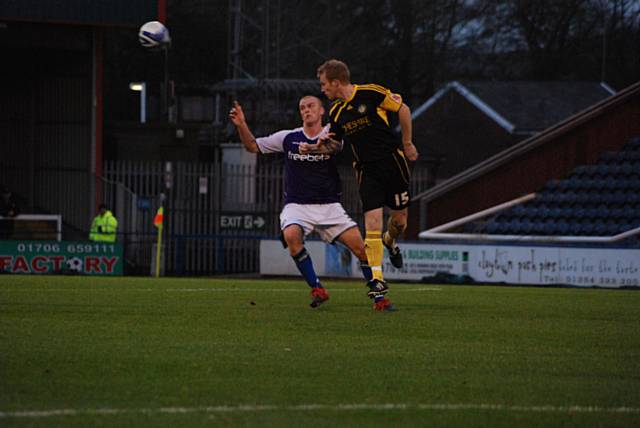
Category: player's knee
<point>373,225</point>
<point>399,219</point>
<point>294,245</point>
<point>293,237</point>
<point>398,225</point>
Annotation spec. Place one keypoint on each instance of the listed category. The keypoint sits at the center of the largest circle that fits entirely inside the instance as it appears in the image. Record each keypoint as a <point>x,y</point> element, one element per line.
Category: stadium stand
<point>602,199</point>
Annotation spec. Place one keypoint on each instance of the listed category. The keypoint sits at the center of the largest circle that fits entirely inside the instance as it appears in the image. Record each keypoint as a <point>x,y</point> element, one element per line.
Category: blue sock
<point>378,298</point>
<point>366,270</point>
<point>305,266</point>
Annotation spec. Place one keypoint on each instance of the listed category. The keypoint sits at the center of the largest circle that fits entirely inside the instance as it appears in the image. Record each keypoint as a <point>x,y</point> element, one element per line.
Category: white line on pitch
<point>315,407</point>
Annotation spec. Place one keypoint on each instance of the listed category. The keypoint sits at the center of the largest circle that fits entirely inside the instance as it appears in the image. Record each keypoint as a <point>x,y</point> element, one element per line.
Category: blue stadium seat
<point>587,227</point>
<point>611,170</point>
<point>601,199</point>
<point>532,211</point>
<point>545,197</point>
<point>600,228</point>
<point>566,212</point>
<point>602,211</point>
<point>626,168</point>
<point>629,213</point>
<point>526,226</point>
<point>550,227</point>
<point>611,228</point>
<point>551,185</point>
<point>591,212</point>
<point>616,213</point>
<point>567,198</point>
<point>596,184</point>
<point>564,185</point>
<point>633,145</point>
<point>609,158</point>
<point>633,198</point>
<point>510,227</point>
<point>581,171</point>
<point>610,183</point>
<point>623,226</point>
<point>537,226</point>
<point>625,183</point>
<point>492,227</point>
<point>562,227</point>
<point>555,213</point>
<point>620,197</point>
<point>578,213</point>
<point>586,197</point>
<point>633,183</point>
<point>574,228</point>
<point>519,210</point>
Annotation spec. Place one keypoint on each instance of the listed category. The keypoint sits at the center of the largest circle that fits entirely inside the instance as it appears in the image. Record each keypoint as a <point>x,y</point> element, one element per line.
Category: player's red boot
<point>384,305</point>
<point>319,295</point>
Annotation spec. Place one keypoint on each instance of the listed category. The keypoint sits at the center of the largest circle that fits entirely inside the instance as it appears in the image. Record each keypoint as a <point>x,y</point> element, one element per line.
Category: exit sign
<point>242,221</point>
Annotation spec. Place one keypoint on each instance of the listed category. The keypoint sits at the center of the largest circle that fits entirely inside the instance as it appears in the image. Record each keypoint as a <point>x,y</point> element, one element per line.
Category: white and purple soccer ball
<point>154,35</point>
<point>74,264</point>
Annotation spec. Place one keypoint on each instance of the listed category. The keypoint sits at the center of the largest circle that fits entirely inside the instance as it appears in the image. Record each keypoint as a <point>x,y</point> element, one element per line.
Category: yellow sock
<point>373,248</point>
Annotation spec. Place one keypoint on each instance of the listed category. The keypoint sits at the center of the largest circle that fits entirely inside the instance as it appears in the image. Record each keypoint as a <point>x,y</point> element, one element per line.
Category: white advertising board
<point>585,267</point>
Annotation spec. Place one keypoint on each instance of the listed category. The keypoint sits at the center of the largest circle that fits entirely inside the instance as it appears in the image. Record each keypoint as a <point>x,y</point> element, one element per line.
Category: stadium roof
<point>525,107</point>
<point>113,12</point>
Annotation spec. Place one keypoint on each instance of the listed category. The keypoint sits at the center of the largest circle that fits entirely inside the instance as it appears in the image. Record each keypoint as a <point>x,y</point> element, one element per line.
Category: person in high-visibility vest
<point>104,226</point>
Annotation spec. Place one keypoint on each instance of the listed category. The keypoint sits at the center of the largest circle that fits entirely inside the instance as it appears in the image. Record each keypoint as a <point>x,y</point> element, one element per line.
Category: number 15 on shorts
<point>401,199</point>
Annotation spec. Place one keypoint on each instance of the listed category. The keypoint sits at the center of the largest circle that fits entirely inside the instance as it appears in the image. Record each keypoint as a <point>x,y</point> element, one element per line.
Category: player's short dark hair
<point>334,69</point>
<point>102,206</point>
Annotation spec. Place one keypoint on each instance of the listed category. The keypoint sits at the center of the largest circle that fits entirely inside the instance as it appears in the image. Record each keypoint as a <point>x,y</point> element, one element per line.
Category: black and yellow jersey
<point>362,122</point>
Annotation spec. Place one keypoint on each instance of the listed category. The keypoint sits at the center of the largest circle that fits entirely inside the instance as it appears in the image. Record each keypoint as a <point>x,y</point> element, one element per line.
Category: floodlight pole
<point>142,88</point>
<point>143,103</point>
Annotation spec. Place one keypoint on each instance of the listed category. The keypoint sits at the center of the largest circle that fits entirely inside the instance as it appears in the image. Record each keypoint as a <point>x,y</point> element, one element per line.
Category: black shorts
<point>384,183</point>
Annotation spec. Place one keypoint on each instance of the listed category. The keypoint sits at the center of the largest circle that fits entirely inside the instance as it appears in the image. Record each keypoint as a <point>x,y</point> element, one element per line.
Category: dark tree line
<point>413,46</point>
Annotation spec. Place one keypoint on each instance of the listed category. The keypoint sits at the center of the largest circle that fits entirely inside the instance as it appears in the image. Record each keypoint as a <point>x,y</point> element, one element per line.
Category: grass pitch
<point>88,351</point>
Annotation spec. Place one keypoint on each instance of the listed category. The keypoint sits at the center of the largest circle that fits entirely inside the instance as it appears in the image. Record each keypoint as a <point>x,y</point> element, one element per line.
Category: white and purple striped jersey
<point>309,178</point>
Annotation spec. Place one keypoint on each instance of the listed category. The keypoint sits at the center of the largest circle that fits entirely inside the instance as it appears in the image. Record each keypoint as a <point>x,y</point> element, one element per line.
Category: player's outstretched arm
<point>404,117</point>
<point>325,145</point>
<point>236,116</point>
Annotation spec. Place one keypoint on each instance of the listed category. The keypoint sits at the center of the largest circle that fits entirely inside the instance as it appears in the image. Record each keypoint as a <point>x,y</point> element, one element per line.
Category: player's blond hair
<point>334,69</point>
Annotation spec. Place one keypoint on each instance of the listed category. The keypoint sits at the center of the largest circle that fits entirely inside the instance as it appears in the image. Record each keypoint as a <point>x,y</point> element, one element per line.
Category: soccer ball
<point>154,35</point>
<point>74,264</point>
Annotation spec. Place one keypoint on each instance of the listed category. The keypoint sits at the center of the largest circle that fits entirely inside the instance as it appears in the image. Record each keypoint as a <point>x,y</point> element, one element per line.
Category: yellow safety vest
<point>103,228</point>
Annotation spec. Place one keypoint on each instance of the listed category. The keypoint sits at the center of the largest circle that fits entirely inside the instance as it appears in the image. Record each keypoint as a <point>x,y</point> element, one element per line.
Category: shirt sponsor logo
<point>308,157</point>
<point>354,125</point>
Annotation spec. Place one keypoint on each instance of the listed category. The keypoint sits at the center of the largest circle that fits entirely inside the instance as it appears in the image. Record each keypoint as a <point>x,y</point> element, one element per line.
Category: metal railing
<point>197,195</point>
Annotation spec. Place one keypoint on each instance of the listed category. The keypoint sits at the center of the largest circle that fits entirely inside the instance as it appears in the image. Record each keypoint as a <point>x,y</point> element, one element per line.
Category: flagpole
<point>158,250</point>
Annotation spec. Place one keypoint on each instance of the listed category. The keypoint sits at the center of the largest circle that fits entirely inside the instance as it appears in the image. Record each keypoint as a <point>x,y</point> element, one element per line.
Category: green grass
<point>143,347</point>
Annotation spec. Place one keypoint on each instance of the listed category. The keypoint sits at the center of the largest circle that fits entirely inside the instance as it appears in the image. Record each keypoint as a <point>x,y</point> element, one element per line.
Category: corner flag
<point>157,222</point>
<point>159,218</point>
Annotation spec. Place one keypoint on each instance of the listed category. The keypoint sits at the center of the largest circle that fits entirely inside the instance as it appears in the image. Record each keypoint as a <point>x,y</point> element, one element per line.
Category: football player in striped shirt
<point>359,117</point>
